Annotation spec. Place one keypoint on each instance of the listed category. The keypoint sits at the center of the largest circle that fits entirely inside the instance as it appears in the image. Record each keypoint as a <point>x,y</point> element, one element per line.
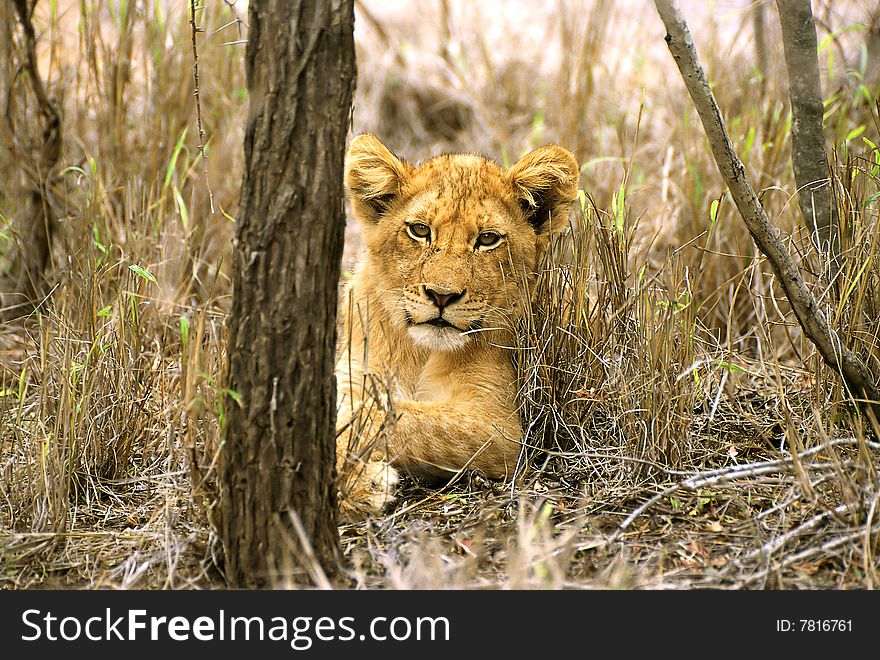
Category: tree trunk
<point>808,157</point>
<point>37,224</point>
<point>760,33</point>
<point>857,377</point>
<point>872,48</point>
<point>278,493</point>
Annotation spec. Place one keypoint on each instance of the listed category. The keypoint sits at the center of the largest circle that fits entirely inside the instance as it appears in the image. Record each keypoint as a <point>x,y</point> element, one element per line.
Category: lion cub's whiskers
<point>475,330</point>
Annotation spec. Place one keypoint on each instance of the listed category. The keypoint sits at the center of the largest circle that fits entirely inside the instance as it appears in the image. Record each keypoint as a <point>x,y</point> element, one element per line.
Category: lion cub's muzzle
<point>443,307</point>
<point>443,298</point>
<point>439,317</point>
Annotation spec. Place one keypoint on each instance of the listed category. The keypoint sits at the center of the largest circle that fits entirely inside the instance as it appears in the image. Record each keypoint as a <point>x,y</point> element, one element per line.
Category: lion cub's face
<point>452,244</point>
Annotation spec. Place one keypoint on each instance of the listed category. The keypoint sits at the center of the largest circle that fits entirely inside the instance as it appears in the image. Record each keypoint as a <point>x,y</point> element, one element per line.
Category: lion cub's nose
<point>443,299</point>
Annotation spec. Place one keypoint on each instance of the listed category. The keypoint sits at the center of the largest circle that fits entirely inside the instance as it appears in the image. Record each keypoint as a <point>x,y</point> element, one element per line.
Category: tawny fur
<point>454,399</point>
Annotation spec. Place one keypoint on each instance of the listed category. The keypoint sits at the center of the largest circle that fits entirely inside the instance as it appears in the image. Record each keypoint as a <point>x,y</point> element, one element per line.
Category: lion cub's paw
<point>383,478</point>
<point>371,492</point>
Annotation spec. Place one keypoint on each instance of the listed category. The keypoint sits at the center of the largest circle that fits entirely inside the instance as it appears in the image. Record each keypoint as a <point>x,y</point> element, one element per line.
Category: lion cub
<point>451,246</point>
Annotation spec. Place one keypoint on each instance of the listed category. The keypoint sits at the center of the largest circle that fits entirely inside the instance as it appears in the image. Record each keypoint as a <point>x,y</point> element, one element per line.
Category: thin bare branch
<point>195,30</point>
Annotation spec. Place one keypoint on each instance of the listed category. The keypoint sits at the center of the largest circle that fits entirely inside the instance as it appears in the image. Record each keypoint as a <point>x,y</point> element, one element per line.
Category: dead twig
<point>725,475</point>
<point>196,30</point>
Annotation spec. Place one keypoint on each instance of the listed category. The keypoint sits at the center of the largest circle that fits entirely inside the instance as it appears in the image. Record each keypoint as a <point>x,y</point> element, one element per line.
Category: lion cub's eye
<point>488,239</point>
<point>419,231</point>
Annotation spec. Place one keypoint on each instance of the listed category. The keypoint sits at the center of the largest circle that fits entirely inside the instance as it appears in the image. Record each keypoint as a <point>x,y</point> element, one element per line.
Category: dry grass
<point>681,432</point>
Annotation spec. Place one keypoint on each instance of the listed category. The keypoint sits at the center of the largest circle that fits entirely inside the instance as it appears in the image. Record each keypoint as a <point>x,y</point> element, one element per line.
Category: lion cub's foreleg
<point>461,414</point>
<point>438,438</point>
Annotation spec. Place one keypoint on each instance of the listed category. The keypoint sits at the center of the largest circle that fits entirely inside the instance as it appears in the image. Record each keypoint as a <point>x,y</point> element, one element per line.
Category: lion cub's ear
<point>546,184</point>
<point>373,175</point>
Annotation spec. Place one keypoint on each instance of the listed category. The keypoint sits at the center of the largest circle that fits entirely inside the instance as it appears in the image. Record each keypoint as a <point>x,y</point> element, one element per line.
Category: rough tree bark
<point>811,173</point>
<point>278,495</point>
<point>816,327</point>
